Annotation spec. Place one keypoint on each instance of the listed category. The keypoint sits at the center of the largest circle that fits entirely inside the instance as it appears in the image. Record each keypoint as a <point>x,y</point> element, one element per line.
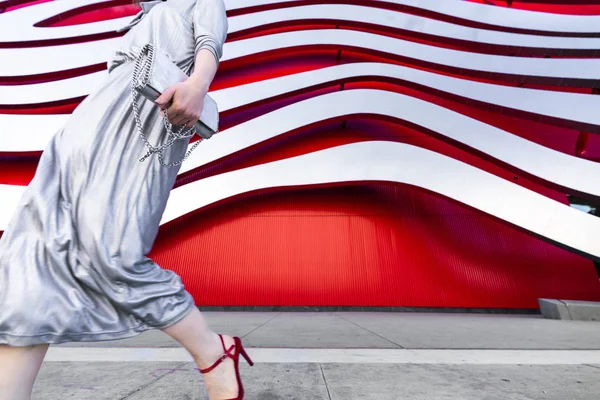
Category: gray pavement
<point>431,356</point>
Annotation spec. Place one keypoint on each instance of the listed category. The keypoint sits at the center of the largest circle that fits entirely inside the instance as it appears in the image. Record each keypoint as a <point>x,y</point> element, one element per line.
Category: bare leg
<point>204,345</point>
<point>19,367</point>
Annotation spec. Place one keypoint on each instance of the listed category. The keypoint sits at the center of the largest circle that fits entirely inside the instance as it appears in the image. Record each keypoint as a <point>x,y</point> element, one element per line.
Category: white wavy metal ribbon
<point>27,17</point>
<point>563,70</point>
<point>26,61</point>
<point>406,164</point>
<point>49,59</point>
<point>500,17</point>
<point>408,22</point>
<point>550,165</point>
<point>583,107</point>
<point>382,161</point>
<point>47,92</point>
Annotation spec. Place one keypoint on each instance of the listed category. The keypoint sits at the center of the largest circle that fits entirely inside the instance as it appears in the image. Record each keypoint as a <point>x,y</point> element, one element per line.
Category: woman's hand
<point>184,102</point>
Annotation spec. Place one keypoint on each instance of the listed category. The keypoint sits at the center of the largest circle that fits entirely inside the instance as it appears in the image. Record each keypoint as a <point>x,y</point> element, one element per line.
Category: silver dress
<point>73,264</point>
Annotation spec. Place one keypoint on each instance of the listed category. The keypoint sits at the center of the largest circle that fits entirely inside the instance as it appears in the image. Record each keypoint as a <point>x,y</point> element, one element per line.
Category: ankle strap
<point>224,357</point>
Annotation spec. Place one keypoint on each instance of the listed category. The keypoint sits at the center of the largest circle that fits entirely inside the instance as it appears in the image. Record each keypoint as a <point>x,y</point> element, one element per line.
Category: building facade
<point>439,153</point>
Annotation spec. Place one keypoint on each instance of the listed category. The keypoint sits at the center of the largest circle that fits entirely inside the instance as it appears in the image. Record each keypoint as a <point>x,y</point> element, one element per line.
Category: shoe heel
<point>245,355</point>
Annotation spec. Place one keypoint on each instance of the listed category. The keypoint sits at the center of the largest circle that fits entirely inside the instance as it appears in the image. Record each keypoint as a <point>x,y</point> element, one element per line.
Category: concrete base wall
<point>570,310</point>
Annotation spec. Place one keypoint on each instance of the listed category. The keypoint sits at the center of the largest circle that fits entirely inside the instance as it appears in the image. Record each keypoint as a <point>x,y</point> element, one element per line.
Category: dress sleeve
<point>210,26</point>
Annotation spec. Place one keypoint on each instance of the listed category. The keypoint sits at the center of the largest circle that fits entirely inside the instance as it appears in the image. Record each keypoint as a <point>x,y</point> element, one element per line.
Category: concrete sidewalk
<point>342,356</point>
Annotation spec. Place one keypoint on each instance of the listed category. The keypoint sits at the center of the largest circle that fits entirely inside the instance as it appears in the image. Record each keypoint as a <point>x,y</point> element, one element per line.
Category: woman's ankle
<point>211,351</point>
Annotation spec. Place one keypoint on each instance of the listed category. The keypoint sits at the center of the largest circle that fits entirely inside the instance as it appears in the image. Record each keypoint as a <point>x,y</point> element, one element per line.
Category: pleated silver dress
<point>73,264</point>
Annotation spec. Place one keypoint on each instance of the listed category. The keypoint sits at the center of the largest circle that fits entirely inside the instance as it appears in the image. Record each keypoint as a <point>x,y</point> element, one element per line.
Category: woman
<point>73,263</point>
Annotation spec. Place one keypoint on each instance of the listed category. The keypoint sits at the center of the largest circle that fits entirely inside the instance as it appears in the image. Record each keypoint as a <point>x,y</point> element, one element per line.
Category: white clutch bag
<point>153,73</point>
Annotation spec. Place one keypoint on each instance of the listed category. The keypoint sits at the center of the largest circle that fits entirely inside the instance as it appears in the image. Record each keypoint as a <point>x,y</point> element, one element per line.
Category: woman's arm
<point>205,70</point>
<point>210,27</point>
<point>210,32</point>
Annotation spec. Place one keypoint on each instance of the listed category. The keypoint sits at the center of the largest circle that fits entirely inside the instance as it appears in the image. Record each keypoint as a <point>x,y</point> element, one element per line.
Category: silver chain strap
<point>141,76</point>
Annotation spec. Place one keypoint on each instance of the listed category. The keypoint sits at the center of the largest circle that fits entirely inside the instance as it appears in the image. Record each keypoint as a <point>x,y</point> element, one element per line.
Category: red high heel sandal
<point>235,356</point>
